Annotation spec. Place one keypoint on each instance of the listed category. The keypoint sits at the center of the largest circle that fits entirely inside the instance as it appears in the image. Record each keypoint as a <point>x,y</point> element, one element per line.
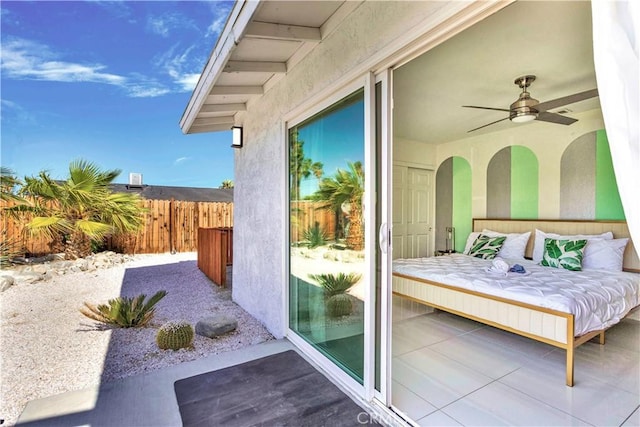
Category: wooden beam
<point>210,128</point>
<point>227,120</point>
<point>237,90</point>
<point>222,108</point>
<point>283,32</point>
<point>255,67</point>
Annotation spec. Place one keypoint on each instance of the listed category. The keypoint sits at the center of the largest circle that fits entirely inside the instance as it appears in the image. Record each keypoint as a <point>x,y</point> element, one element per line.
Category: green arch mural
<point>512,184</point>
<point>588,186</point>
<point>453,201</point>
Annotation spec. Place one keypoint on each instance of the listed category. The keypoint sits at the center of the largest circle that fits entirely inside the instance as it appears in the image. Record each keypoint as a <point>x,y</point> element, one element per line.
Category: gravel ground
<point>47,347</point>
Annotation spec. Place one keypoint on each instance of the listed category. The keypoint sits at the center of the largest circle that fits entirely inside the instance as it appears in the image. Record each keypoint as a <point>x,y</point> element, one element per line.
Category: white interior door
<point>412,212</point>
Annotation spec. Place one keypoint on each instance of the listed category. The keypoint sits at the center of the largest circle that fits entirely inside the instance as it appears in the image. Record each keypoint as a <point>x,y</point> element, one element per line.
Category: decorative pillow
<point>470,240</point>
<point>514,246</point>
<point>486,247</point>
<point>604,254</point>
<point>563,253</point>
<point>538,247</point>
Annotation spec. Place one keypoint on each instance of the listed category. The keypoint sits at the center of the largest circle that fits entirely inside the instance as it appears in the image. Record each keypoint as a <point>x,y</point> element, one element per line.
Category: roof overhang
<point>261,42</point>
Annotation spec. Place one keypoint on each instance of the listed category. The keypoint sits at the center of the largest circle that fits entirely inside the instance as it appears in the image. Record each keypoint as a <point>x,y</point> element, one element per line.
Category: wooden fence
<point>304,214</point>
<point>170,225</point>
<point>215,253</point>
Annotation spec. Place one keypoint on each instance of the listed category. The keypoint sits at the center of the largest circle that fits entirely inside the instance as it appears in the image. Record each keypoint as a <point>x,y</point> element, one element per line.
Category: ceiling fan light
<point>524,117</point>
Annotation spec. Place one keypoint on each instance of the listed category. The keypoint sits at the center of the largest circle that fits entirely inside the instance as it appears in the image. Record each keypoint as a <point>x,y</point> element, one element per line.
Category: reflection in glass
<point>326,185</point>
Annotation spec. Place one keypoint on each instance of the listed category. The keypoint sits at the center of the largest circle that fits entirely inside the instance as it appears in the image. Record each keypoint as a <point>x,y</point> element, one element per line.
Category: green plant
<point>334,284</point>
<point>124,312</point>
<point>82,208</point>
<point>175,335</point>
<point>315,236</point>
<point>339,305</point>
<point>9,249</point>
<point>300,167</point>
<point>343,193</point>
<point>337,301</point>
<point>8,183</point>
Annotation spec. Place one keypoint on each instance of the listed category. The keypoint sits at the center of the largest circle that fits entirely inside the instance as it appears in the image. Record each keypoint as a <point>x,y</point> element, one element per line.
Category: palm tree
<point>227,183</point>
<point>300,166</point>
<point>344,191</point>
<point>8,184</point>
<point>82,208</point>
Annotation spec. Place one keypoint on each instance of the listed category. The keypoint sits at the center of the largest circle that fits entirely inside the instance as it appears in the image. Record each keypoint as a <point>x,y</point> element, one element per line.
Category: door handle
<point>383,239</point>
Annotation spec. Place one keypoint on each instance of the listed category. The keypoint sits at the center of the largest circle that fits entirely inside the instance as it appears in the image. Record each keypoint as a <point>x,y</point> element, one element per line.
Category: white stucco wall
<point>260,195</point>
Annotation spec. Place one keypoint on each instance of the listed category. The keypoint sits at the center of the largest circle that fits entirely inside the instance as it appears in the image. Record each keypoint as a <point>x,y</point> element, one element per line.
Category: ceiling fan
<point>526,108</point>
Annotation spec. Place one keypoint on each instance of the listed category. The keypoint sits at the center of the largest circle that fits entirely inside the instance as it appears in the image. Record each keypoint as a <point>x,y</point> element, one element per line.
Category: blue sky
<point>108,82</point>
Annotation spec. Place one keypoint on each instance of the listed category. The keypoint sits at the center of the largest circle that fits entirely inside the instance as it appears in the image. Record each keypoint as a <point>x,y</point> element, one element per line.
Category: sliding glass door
<point>327,268</point>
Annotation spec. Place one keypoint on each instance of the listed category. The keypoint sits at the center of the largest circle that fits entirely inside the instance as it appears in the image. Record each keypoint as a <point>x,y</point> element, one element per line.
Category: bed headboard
<point>619,229</point>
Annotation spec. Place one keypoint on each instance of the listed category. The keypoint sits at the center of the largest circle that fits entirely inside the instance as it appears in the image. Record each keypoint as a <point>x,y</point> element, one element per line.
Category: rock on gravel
<point>48,347</point>
<point>214,326</point>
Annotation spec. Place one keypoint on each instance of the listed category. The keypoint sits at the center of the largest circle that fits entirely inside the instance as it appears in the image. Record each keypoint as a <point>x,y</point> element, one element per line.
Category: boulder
<point>28,277</point>
<point>217,325</point>
<point>6,282</point>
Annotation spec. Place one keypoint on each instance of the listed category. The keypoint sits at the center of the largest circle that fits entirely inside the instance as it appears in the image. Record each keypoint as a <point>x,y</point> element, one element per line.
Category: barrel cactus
<point>339,305</point>
<point>175,335</point>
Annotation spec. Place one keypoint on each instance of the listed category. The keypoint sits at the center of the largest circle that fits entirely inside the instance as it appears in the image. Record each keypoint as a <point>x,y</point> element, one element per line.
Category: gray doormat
<point>278,390</point>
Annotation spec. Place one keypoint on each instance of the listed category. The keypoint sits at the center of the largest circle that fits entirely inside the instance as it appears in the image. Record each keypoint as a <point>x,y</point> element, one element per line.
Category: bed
<point>565,316</point>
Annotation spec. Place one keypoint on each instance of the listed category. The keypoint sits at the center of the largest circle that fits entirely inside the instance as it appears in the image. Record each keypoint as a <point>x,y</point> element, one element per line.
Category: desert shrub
<point>175,335</point>
<point>337,301</point>
<point>334,284</point>
<point>9,249</point>
<point>315,236</point>
<point>124,312</point>
<point>339,305</point>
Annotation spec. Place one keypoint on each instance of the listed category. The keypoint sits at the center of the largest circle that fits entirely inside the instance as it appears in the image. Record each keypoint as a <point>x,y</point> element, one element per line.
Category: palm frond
<point>124,312</point>
<point>334,284</point>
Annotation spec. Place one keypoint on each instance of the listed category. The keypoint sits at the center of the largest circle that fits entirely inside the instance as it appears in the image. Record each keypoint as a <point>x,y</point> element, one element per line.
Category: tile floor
<point>450,371</point>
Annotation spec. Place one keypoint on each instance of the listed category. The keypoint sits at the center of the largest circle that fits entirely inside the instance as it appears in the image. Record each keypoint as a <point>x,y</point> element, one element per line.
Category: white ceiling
<point>550,39</point>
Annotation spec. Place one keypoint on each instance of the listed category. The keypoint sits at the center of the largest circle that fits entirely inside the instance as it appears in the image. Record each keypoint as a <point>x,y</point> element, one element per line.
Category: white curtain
<point>616,43</point>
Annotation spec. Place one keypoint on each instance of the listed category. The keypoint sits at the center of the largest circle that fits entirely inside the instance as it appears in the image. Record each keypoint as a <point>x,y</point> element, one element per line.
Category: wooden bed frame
<point>541,324</point>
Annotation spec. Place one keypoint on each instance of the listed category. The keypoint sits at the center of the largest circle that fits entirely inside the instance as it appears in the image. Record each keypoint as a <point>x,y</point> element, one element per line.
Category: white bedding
<point>598,299</point>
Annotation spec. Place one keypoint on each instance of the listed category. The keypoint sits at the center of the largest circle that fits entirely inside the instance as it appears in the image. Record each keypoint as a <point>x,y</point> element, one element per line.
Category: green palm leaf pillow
<point>563,253</point>
<point>486,247</point>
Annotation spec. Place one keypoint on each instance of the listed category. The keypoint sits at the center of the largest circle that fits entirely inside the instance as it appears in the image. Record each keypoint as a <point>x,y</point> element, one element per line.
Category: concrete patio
<point>142,400</point>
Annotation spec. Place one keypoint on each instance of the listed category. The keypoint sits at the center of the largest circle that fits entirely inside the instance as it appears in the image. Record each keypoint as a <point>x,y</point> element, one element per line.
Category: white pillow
<point>472,238</point>
<point>604,254</point>
<point>538,247</point>
<point>514,245</point>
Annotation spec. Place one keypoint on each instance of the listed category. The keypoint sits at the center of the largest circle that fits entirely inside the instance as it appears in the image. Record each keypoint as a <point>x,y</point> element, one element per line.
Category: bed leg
<point>570,366</point>
<point>601,338</point>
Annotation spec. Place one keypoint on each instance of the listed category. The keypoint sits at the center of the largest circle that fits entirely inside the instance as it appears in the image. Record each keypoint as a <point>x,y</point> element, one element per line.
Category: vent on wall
<point>135,179</point>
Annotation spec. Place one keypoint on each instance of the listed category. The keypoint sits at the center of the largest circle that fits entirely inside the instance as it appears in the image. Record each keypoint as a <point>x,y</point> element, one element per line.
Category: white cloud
<point>166,23</point>
<point>188,81</point>
<point>117,8</point>
<point>220,14</point>
<point>10,110</point>
<point>179,66</point>
<point>26,60</point>
<point>141,91</point>
<point>181,160</point>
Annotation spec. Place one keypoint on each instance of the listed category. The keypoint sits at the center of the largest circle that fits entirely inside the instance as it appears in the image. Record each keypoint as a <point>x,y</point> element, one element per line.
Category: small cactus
<point>174,335</point>
<point>339,305</point>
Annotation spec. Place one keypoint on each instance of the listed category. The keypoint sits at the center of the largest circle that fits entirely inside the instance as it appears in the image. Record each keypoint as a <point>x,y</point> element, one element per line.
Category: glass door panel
<point>326,236</point>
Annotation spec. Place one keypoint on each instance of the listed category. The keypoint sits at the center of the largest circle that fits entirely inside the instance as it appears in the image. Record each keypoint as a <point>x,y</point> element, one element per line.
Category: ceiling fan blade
<point>546,116</point>
<point>486,108</point>
<point>488,124</point>
<point>566,100</point>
